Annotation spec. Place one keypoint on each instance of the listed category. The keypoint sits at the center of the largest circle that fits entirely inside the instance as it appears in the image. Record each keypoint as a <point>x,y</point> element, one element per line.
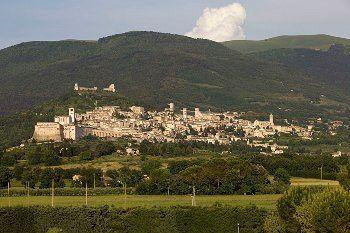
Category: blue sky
<point>27,20</point>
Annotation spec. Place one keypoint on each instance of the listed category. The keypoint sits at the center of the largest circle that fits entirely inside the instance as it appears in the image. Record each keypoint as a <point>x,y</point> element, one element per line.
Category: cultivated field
<point>308,181</point>
<point>264,201</point>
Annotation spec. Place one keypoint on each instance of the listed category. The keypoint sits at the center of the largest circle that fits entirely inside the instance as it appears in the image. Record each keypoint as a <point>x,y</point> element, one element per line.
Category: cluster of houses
<point>168,125</point>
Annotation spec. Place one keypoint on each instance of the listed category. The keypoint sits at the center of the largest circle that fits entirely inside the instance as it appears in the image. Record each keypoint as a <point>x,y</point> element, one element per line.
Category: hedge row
<point>108,219</point>
<point>66,192</point>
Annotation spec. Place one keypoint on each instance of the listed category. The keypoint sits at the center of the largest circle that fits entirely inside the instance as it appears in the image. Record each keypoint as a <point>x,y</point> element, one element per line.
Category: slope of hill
<point>331,68</point>
<point>154,69</point>
<point>316,42</point>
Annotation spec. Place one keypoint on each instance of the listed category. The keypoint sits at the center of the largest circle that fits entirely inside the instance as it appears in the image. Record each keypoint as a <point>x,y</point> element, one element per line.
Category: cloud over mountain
<point>220,24</point>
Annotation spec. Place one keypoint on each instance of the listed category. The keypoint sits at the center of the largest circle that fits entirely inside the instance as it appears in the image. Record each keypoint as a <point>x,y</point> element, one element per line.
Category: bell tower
<point>72,115</point>
<point>271,119</point>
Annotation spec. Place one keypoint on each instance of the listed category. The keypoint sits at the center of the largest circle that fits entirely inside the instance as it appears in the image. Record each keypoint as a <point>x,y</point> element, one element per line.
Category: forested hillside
<point>315,42</point>
<point>329,68</point>
<point>155,68</point>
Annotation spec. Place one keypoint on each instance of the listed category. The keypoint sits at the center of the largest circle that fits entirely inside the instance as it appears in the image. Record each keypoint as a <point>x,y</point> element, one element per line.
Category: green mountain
<point>315,42</point>
<point>151,67</point>
<point>154,69</point>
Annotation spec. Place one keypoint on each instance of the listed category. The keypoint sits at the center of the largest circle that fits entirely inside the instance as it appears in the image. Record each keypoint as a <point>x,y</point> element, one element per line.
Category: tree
<point>5,176</point>
<point>18,170</point>
<point>7,160</point>
<point>47,175</point>
<point>28,177</point>
<point>85,156</point>
<point>282,176</point>
<point>326,211</point>
<point>344,178</point>
<point>150,165</point>
<point>288,203</point>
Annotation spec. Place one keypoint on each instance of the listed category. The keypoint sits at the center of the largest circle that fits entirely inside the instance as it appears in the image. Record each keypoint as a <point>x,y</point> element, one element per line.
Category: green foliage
<point>48,176</point>
<point>281,175</point>
<point>288,204</point>
<point>7,160</point>
<point>108,219</point>
<point>326,211</point>
<point>43,154</point>
<point>98,191</point>
<point>307,166</point>
<point>5,176</point>
<point>212,177</point>
<point>150,165</point>
<point>344,177</point>
<point>274,224</point>
<point>85,156</point>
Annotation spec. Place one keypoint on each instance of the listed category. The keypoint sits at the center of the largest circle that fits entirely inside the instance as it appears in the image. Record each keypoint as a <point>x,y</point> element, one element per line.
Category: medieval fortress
<point>168,125</point>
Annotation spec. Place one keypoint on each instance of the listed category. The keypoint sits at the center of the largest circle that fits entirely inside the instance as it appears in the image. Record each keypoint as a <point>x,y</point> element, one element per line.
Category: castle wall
<point>48,131</point>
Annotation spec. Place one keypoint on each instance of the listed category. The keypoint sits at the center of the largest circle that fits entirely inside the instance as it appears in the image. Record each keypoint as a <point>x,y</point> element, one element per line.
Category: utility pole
<point>193,196</point>
<point>94,180</point>
<point>238,227</point>
<point>322,172</point>
<point>8,192</point>
<point>53,193</point>
<point>28,188</point>
<point>86,193</point>
<point>124,184</point>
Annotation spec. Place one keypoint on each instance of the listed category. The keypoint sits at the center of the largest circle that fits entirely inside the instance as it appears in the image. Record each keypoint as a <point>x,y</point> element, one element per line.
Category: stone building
<point>63,127</point>
<point>48,131</point>
<point>110,88</point>
<point>79,88</point>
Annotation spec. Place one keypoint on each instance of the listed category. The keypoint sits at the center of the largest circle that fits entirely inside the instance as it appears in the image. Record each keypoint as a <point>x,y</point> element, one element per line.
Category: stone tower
<point>184,113</point>
<point>171,107</point>
<point>271,119</point>
<point>197,113</point>
<point>76,87</point>
<point>72,115</point>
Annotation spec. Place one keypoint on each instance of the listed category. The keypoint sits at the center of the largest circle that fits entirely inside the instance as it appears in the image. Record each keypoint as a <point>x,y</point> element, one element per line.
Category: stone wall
<point>48,131</point>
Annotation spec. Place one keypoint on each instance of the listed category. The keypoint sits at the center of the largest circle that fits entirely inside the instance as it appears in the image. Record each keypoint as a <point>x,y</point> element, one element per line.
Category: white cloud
<point>221,24</point>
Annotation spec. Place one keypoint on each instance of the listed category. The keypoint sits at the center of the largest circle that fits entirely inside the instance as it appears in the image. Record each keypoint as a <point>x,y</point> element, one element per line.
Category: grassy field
<point>308,181</point>
<point>264,201</point>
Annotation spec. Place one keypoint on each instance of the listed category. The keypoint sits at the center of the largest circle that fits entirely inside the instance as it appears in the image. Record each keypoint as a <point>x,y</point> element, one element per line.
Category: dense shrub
<point>5,176</point>
<point>326,211</point>
<point>109,219</point>
<point>314,209</point>
<point>281,175</point>
<point>307,166</point>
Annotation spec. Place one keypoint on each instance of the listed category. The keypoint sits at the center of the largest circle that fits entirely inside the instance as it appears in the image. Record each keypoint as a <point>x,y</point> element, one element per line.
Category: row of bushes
<point>109,219</point>
<point>66,192</point>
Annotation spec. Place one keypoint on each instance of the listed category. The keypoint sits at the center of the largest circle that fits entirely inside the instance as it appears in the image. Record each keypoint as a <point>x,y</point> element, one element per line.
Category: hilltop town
<point>168,125</point>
